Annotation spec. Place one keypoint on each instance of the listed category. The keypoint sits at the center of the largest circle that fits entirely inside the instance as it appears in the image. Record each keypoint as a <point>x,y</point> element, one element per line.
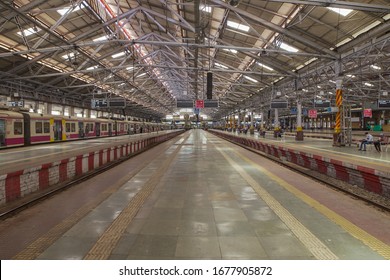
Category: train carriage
<point>43,128</point>
<point>18,128</point>
<point>11,129</point>
<point>71,128</point>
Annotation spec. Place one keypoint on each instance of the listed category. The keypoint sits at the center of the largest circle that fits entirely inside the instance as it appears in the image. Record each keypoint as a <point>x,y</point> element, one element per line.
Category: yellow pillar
<point>339,103</point>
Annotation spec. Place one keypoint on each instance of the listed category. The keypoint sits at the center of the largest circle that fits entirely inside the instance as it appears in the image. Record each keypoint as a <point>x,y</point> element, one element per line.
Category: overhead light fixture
<point>28,31</point>
<point>143,74</point>
<point>251,79</point>
<point>368,84</point>
<point>288,47</point>
<point>118,55</point>
<point>264,66</point>
<point>231,50</point>
<point>238,26</point>
<point>343,12</point>
<point>92,67</point>
<point>103,38</point>
<point>220,65</point>
<point>375,67</point>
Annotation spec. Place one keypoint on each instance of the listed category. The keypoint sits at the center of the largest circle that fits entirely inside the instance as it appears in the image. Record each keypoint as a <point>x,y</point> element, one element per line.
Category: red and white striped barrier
<point>367,178</point>
<point>20,183</point>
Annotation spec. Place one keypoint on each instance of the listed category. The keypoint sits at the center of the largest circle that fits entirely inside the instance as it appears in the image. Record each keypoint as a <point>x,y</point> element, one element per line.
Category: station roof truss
<point>154,52</point>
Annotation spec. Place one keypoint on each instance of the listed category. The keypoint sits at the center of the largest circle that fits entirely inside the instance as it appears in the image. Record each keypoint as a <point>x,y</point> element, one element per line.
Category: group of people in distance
<point>369,139</point>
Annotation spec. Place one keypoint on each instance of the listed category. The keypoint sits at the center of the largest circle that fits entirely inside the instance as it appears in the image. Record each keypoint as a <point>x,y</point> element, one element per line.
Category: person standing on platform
<point>377,144</point>
<point>368,140</point>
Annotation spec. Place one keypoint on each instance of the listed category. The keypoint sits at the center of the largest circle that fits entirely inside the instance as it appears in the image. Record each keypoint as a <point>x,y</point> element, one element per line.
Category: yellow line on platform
<point>375,244</point>
<point>109,239</point>
<point>309,240</point>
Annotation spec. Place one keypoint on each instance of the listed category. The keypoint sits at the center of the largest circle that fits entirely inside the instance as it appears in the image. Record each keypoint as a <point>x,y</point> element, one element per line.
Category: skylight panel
<point>65,10</point>
<point>264,66</point>
<point>69,56</point>
<point>28,31</point>
<point>238,26</point>
<point>118,55</point>
<point>288,48</point>
<point>251,79</point>
<point>343,12</point>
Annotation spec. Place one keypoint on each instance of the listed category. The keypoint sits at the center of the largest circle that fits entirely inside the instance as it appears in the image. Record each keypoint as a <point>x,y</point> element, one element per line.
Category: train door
<point>110,129</point>
<point>81,130</point>
<point>57,128</point>
<point>2,133</point>
<point>97,129</point>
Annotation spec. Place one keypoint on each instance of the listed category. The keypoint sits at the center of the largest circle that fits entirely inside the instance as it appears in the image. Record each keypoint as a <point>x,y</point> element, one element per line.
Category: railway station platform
<point>366,171</point>
<point>194,197</point>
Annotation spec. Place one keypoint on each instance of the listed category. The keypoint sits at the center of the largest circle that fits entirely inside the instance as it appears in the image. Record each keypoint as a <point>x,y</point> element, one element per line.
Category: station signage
<point>199,104</point>
<point>184,103</point>
<point>321,104</point>
<point>99,103</point>
<point>15,103</point>
<point>367,113</point>
<point>313,114</point>
<point>384,104</point>
<point>211,104</point>
<point>120,103</point>
<point>279,104</point>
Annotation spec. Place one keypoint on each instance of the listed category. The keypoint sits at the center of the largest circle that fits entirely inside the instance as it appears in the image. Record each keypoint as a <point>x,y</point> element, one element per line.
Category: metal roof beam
<point>278,29</point>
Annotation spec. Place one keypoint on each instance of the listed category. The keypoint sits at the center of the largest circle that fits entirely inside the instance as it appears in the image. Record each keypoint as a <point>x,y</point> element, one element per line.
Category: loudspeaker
<point>209,88</point>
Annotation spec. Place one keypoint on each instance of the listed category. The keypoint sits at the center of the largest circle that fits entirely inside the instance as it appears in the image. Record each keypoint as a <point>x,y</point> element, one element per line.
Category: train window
<point>38,127</point>
<point>18,128</point>
<point>73,127</point>
<point>67,127</point>
<point>46,127</point>
<point>104,127</point>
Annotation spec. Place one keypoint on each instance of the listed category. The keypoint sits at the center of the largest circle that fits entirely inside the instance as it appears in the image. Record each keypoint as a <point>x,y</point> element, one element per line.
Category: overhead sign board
<point>321,104</point>
<point>99,103</point>
<point>313,114</point>
<point>211,104</point>
<point>384,104</point>
<point>199,104</point>
<point>185,103</point>
<point>367,113</point>
<point>15,103</point>
<point>117,103</point>
<point>279,104</point>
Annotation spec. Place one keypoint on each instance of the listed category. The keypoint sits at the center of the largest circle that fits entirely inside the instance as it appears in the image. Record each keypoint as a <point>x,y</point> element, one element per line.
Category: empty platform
<point>198,196</point>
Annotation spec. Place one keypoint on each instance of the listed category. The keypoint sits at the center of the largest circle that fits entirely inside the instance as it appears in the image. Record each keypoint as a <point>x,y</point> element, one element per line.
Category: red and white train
<point>18,128</point>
